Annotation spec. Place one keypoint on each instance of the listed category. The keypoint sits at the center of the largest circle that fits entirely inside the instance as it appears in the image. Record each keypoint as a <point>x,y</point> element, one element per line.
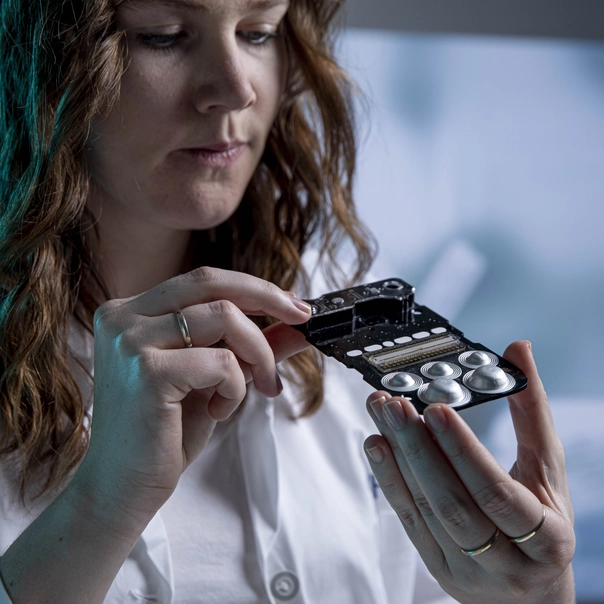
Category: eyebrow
<point>193,5</point>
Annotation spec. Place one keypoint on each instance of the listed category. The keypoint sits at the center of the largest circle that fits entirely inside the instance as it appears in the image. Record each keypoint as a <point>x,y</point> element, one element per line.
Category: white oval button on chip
<point>373,348</point>
<point>354,353</point>
<point>421,334</point>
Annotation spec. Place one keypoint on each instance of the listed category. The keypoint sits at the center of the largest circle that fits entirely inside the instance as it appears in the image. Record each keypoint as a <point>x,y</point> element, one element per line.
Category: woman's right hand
<point>156,402</point>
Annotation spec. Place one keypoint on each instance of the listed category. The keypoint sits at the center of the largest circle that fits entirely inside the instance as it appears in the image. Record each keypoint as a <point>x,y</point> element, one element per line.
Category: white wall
<point>482,174</point>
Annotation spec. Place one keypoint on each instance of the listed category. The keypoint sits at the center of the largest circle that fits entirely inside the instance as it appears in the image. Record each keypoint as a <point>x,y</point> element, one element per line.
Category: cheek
<point>271,80</point>
<point>146,100</point>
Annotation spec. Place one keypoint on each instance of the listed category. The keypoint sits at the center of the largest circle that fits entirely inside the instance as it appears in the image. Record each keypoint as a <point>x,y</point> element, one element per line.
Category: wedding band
<point>184,329</point>
<point>530,534</point>
<point>482,548</point>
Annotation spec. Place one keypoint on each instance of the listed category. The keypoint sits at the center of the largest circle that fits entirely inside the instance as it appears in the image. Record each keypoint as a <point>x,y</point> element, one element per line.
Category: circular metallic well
<point>477,358</point>
<point>393,285</point>
<point>489,379</point>
<point>401,381</point>
<point>444,390</point>
<point>437,369</point>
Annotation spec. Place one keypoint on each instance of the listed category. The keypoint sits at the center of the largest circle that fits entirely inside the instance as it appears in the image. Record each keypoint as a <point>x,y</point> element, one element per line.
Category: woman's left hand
<point>450,493</point>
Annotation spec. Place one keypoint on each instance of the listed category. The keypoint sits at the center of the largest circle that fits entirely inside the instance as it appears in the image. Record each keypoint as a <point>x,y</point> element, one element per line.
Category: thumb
<point>284,340</point>
<point>530,410</point>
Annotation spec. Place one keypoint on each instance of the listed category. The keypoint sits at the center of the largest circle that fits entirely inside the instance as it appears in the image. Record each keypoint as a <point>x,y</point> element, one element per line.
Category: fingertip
<point>301,306</point>
<point>373,440</point>
<point>375,454</point>
<point>520,353</point>
<point>378,394</point>
<point>410,407</point>
<point>285,341</point>
<point>436,417</point>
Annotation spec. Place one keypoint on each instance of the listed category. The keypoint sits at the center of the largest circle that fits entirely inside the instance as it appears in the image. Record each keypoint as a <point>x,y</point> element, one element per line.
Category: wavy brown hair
<point>62,62</point>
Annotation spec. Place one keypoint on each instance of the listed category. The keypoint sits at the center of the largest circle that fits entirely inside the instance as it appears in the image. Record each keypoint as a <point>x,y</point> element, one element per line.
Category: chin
<point>208,218</point>
<point>212,210</point>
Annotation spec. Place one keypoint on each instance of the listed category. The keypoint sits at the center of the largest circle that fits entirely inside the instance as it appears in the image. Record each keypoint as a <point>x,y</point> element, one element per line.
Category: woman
<point>142,144</point>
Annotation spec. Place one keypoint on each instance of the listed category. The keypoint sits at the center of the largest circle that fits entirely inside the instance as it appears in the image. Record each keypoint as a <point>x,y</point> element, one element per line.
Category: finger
<point>284,340</point>
<point>541,458</point>
<point>197,423</point>
<point>507,503</point>
<point>393,486</point>
<point>425,507</point>
<point>252,295</point>
<point>540,452</point>
<point>445,493</point>
<point>530,410</point>
<point>215,321</point>
<point>183,371</point>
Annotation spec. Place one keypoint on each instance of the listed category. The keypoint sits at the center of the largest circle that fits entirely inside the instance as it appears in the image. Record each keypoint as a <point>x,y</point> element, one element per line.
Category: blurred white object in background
<point>497,144</point>
<point>452,280</point>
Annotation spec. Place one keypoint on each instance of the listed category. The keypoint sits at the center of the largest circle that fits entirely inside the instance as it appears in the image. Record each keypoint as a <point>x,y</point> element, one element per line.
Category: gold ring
<point>530,534</point>
<point>184,329</point>
<point>482,548</point>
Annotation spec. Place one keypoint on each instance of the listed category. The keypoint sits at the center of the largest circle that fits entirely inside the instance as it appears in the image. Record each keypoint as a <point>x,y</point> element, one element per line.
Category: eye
<point>257,38</point>
<point>159,41</point>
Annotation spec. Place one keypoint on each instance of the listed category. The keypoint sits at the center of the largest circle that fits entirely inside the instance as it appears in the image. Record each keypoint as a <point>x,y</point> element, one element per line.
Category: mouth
<point>216,155</point>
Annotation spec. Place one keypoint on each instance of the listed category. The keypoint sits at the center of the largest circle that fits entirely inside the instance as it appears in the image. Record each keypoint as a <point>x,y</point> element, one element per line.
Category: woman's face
<point>198,98</point>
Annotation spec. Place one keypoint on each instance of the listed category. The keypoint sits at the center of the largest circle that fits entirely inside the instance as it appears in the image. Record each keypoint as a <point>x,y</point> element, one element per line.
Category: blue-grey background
<point>481,173</point>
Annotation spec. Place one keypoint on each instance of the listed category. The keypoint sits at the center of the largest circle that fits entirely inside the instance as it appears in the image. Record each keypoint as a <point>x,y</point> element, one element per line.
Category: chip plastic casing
<point>407,349</point>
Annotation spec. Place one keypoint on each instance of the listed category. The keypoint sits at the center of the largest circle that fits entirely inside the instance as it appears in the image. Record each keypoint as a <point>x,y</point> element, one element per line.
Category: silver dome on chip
<point>443,390</point>
<point>401,381</point>
<point>440,370</point>
<point>478,358</point>
<point>436,369</point>
<point>489,379</point>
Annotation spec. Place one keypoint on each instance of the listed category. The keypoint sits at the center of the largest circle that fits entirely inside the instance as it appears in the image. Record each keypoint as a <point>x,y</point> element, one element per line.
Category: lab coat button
<point>285,586</point>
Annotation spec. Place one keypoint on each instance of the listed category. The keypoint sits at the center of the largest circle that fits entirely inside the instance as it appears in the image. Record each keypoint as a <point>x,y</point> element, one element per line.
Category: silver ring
<point>184,329</point>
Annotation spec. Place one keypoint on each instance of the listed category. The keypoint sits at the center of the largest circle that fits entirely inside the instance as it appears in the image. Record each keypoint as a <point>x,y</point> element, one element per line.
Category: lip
<point>218,147</point>
<point>216,155</point>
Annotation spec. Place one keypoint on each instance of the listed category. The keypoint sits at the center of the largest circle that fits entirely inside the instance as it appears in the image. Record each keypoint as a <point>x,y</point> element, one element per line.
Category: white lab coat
<point>323,531</point>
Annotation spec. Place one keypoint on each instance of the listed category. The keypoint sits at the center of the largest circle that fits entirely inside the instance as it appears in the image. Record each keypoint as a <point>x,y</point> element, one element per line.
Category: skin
<point>156,403</point>
<point>450,493</point>
<point>195,76</point>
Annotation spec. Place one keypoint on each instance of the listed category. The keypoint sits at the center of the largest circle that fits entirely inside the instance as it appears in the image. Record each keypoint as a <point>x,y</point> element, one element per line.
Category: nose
<point>225,83</point>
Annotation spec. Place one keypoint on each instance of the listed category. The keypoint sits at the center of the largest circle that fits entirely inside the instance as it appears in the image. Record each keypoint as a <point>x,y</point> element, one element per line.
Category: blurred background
<point>481,173</point>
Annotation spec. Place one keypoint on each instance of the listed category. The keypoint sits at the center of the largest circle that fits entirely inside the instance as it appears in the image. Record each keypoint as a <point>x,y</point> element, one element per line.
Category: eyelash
<point>166,42</point>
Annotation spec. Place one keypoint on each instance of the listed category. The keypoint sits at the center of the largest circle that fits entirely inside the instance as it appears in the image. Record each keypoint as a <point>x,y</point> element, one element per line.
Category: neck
<point>135,256</point>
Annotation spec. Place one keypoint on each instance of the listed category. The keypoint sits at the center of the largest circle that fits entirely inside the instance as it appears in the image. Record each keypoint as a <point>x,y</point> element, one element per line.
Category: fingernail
<point>376,454</point>
<point>301,305</point>
<point>436,417</point>
<point>279,382</point>
<point>395,415</point>
<point>530,346</point>
<point>376,407</point>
